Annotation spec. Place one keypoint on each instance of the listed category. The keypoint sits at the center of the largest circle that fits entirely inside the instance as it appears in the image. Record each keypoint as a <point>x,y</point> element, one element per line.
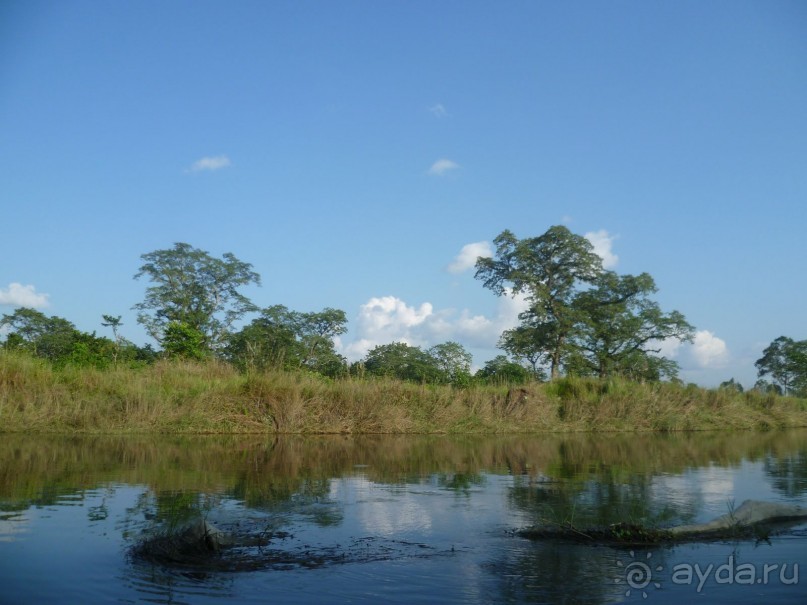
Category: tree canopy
<point>620,327</point>
<point>549,270</point>
<point>785,362</point>
<point>283,338</point>
<point>580,317</point>
<point>194,289</point>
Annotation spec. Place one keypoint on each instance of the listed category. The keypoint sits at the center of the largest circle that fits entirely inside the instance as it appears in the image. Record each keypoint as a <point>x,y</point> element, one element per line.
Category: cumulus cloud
<point>708,350</point>
<point>442,166</point>
<point>387,319</point>
<point>603,243</point>
<point>210,164</point>
<point>439,111</point>
<point>466,259</point>
<point>17,295</point>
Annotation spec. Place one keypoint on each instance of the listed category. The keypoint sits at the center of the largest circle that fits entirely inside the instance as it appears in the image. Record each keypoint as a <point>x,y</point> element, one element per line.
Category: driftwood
<point>750,513</point>
<point>753,519</point>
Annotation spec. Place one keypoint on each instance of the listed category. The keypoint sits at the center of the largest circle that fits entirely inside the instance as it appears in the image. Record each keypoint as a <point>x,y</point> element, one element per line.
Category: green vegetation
<point>785,361</point>
<point>184,396</point>
<point>597,334</point>
<point>582,319</point>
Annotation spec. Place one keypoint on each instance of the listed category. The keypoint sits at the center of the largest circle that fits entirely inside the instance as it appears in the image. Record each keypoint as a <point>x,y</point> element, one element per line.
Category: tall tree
<point>785,361</point>
<point>317,331</point>
<point>114,322</point>
<point>549,270</point>
<point>620,329</point>
<point>195,290</point>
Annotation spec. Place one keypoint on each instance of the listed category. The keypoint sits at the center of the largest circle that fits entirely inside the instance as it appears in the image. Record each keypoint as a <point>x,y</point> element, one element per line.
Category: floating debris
<point>203,547</point>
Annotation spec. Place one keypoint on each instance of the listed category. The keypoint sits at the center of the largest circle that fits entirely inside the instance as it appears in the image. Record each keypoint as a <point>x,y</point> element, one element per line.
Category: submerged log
<point>749,514</point>
<point>751,519</point>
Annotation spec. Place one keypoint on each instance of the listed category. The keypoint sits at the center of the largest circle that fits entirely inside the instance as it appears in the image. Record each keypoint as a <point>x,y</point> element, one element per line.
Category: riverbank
<point>211,397</point>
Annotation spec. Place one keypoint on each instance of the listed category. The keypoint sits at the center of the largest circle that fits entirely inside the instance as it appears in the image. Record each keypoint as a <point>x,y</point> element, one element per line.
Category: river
<point>394,519</point>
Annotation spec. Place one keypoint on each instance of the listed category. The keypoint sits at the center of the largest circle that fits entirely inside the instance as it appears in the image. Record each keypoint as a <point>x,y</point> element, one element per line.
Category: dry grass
<point>185,397</point>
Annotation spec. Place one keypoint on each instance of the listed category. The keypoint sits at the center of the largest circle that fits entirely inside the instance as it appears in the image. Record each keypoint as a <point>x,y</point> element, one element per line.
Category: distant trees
<point>500,370</point>
<point>282,338</point>
<point>193,293</point>
<point>580,318</point>
<point>446,363</point>
<point>785,362</point>
<point>58,341</point>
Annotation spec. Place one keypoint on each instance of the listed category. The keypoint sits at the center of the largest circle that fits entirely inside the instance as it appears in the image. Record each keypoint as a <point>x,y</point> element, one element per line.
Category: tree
<point>620,328</point>
<point>283,338</point>
<point>55,339</point>
<point>520,342</point>
<point>42,336</point>
<point>731,385</point>
<point>502,370</point>
<point>549,270</point>
<point>183,341</point>
<point>114,322</point>
<point>317,331</point>
<point>785,361</point>
<point>196,290</point>
<point>452,361</point>
<point>403,361</point>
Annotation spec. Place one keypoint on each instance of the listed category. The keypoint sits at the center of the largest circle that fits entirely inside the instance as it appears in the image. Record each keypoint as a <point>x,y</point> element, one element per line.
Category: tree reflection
<point>788,473</point>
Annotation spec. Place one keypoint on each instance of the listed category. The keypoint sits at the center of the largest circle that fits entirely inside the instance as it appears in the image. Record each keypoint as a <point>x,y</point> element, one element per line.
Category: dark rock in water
<point>204,534</point>
<point>192,544</point>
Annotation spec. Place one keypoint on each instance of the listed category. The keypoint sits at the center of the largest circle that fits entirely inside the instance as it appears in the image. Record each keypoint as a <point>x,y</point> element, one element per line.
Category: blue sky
<point>351,150</point>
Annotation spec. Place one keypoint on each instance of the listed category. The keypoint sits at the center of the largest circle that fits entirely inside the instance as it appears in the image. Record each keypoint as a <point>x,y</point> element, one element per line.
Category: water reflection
<point>435,509</point>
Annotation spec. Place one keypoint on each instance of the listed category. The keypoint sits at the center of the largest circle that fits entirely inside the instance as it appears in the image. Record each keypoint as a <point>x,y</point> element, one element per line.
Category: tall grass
<point>211,397</point>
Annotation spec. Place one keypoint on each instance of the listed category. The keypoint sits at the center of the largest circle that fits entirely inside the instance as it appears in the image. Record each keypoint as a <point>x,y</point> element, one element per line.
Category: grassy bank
<point>180,397</point>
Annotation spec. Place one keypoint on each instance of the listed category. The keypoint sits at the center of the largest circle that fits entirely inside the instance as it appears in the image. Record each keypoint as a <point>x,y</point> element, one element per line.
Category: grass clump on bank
<point>212,397</point>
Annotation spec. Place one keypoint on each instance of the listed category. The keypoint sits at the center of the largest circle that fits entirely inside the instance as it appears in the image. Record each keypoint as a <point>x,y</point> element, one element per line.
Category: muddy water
<point>385,519</point>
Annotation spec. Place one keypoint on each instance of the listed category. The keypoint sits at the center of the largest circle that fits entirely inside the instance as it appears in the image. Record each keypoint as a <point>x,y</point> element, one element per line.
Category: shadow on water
<point>296,503</point>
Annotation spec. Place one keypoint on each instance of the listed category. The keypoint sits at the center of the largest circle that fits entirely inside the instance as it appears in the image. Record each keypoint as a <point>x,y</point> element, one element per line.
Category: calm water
<point>393,519</point>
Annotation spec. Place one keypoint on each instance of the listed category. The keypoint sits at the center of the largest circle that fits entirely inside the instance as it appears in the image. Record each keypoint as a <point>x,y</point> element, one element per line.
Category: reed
<point>212,397</point>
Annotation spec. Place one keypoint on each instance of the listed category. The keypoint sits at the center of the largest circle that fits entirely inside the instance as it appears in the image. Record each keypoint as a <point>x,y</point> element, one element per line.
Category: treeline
<point>277,339</point>
<point>581,320</point>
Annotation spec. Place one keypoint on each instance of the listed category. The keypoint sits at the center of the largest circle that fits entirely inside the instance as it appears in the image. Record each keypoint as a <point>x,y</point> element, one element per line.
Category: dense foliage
<point>581,318</point>
<point>785,362</point>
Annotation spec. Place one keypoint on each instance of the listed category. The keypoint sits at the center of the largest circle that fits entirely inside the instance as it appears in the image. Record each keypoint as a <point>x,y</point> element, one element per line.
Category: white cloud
<point>603,242</point>
<point>708,350</point>
<point>390,319</point>
<point>210,164</point>
<point>439,111</point>
<point>17,295</point>
<point>441,166</point>
<point>387,319</point>
<point>466,259</point>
